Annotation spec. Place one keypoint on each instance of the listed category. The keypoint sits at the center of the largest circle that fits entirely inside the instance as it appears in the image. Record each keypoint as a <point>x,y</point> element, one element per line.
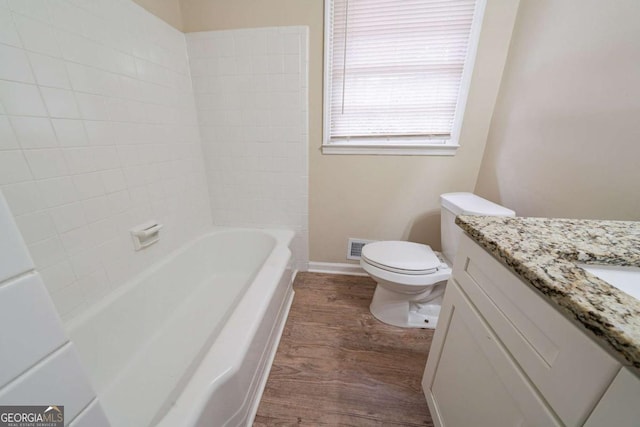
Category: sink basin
<point>627,279</point>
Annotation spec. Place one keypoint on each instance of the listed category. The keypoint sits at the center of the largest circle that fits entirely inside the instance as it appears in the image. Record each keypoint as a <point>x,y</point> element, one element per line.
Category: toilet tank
<point>453,204</point>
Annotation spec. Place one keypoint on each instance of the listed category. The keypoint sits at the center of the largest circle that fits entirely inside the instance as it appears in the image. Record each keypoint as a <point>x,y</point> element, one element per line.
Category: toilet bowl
<point>411,277</point>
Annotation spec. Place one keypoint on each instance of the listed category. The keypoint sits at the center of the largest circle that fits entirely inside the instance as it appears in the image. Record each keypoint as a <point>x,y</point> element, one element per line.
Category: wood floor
<point>338,366</point>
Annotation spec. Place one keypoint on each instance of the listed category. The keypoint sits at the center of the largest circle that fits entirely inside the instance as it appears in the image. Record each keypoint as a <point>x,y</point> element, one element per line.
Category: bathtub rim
<point>281,236</point>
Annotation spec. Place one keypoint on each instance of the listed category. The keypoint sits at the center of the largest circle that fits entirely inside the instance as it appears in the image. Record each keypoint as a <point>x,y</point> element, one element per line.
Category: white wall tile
<point>34,132</point>
<point>68,217</point>
<point>123,64</point>
<point>70,133</point>
<point>60,103</point>
<point>105,157</point>
<point>84,79</point>
<point>100,132</point>
<point>128,155</point>
<point>37,36</point>
<point>81,50</point>
<point>69,299</point>
<point>49,71</point>
<point>76,240</point>
<point>13,251</point>
<point>96,208</point>
<point>89,185</point>
<point>35,226</point>
<point>13,167</point>
<point>37,335</point>
<point>67,17</point>
<point>80,160</point>
<point>47,252</point>
<point>86,262</point>
<point>8,139</point>
<point>95,81</point>
<point>59,378</point>
<point>8,33</point>
<point>58,276</point>
<point>103,230</point>
<point>14,65</point>
<point>113,180</point>
<point>32,8</point>
<point>57,191</point>
<point>119,202</point>
<point>21,99</point>
<point>92,107</point>
<point>252,108</point>
<point>46,163</point>
<point>23,197</point>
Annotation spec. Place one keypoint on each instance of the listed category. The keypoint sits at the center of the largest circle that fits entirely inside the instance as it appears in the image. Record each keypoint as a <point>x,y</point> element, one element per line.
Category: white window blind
<point>395,68</point>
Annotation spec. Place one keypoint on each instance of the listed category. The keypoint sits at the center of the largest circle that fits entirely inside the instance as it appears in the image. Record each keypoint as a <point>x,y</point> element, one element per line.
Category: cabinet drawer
<point>568,368</point>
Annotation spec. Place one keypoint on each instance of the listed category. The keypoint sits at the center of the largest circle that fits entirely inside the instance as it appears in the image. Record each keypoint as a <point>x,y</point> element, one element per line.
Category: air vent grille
<point>354,248</point>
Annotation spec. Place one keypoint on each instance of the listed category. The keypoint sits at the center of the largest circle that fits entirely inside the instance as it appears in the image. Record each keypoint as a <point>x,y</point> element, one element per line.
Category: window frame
<point>400,145</point>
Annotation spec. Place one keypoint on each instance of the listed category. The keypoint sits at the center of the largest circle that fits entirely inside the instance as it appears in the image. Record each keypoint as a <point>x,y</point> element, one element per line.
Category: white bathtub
<point>190,341</point>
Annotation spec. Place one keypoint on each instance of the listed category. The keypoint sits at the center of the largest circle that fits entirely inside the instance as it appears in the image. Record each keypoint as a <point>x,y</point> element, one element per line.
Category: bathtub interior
<point>144,341</point>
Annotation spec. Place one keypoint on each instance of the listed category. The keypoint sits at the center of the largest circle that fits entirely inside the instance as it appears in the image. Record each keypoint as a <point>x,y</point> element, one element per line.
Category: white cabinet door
<point>470,379</point>
<point>620,405</point>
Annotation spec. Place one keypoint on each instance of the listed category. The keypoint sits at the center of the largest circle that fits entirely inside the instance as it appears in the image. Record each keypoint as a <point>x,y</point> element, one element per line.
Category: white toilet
<point>411,277</point>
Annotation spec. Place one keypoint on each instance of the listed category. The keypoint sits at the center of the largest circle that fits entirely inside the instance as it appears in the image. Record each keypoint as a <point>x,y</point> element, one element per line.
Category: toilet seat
<point>401,257</point>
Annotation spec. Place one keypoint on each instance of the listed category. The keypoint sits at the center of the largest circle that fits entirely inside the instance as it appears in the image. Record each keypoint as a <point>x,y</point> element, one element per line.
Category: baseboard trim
<point>336,268</point>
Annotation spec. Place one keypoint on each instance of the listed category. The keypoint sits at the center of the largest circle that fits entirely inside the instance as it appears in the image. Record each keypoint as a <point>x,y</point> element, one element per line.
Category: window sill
<point>392,150</point>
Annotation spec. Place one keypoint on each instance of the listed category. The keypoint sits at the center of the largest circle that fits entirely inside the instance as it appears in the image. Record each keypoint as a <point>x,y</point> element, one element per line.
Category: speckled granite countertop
<point>543,252</point>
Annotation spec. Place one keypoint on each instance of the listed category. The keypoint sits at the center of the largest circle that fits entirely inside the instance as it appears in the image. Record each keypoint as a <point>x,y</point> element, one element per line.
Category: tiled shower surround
<point>251,91</point>
<point>99,132</point>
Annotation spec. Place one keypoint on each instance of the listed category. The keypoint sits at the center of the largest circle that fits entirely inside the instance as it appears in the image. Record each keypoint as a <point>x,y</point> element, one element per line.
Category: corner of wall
<point>170,11</point>
<point>493,52</point>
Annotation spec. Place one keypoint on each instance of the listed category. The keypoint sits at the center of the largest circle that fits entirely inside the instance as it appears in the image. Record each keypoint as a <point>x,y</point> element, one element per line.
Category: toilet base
<point>408,311</point>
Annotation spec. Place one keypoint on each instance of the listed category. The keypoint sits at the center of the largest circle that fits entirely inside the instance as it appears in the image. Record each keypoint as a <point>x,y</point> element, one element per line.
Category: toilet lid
<point>401,257</point>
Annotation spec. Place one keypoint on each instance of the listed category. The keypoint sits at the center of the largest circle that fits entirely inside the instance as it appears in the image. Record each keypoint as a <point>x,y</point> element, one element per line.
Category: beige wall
<point>565,137</point>
<point>376,197</point>
<point>167,10</point>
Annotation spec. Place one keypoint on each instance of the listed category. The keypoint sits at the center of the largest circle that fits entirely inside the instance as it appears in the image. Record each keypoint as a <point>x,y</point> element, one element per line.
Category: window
<point>397,74</point>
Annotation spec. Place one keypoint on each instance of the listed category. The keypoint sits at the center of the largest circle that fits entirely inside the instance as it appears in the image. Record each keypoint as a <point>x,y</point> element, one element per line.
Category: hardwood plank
<point>339,366</point>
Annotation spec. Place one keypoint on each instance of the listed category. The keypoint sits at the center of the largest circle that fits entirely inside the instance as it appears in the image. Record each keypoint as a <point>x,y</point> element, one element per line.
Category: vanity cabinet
<point>475,382</point>
<point>503,356</point>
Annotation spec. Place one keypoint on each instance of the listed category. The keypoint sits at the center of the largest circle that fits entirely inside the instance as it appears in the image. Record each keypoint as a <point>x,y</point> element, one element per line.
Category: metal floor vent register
<point>354,248</point>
